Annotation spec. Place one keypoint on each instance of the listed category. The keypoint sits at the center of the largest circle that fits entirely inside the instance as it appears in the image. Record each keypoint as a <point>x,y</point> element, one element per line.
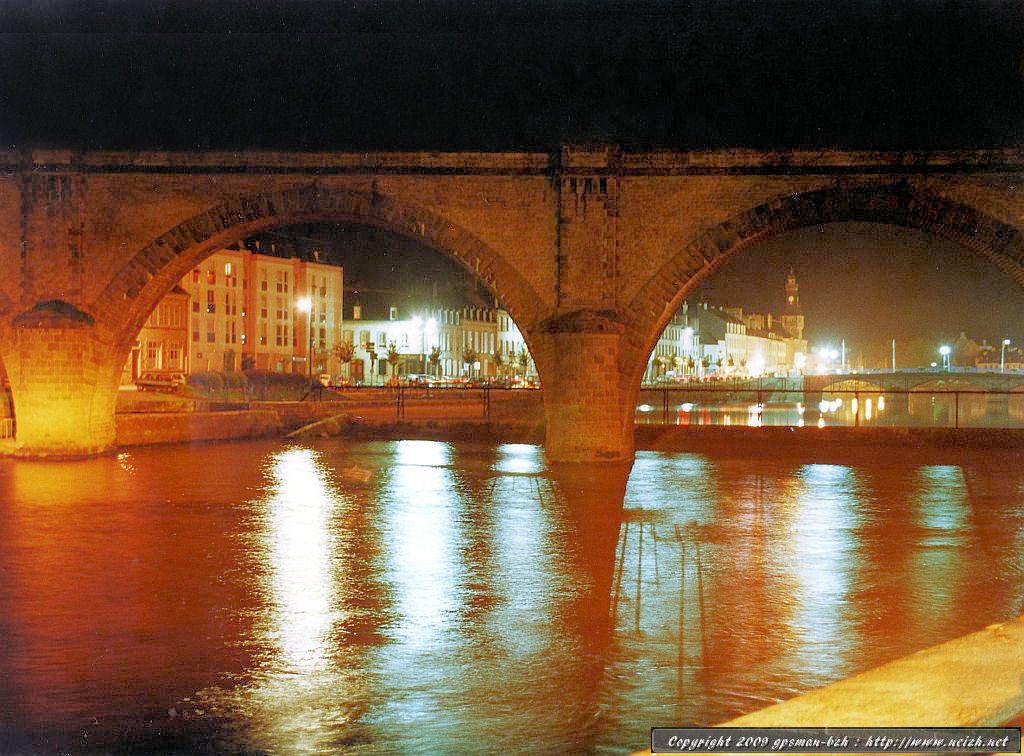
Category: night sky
<point>532,75</point>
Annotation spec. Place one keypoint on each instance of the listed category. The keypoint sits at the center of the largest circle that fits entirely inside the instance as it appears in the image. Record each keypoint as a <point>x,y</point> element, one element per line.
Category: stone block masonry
<point>572,243</point>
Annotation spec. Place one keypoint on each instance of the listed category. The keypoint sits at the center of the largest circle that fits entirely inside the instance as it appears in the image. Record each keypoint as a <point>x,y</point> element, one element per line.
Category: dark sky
<point>529,74</point>
<point>869,283</point>
<point>507,75</point>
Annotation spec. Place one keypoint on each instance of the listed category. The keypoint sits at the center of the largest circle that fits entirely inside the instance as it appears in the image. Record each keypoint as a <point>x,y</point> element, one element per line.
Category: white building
<point>377,320</point>
<point>701,340</point>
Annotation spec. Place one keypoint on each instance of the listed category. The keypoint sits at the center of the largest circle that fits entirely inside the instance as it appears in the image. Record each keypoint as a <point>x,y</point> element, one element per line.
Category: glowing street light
<point>1002,355</point>
<point>423,327</point>
<point>305,304</point>
<point>826,358</point>
<point>945,350</point>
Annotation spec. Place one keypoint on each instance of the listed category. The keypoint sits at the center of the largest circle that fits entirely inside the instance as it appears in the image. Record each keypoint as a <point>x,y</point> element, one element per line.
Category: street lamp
<point>423,328</point>
<point>416,324</point>
<point>1002,355</point>
<point>431,328</point>
<point>944,350</point>
<point>306,305</point>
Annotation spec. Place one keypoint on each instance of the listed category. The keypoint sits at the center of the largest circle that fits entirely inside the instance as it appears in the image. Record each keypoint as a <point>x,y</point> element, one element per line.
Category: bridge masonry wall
<point>590,249</point>
<point>64,388</point>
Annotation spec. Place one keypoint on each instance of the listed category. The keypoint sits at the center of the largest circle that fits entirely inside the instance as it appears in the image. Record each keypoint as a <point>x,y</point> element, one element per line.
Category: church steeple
<point>792,295</point>
<point>792,314</point>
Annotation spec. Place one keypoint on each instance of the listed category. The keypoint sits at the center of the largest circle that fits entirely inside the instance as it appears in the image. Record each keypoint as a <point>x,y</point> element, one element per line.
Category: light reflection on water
<point>869,408</point>
<point>260,597</point>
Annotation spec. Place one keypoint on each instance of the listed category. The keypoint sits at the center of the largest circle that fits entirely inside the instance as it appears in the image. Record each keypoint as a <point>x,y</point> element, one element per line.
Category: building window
<point>357,312</point>
<point>210,306</point>
<point>392,313</point>
<point>211,277</point>
<point>210,337</point>
<point>195,275</point>
<point>228,270</point>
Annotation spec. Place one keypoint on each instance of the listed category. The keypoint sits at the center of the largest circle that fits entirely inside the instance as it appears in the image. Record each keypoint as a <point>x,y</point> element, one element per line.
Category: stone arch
<point>138,286</point>
<point>900,203</point>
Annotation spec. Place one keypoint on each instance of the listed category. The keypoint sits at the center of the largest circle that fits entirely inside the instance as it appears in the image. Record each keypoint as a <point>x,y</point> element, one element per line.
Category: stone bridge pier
<point>589,400</point>
<point>63,372</point>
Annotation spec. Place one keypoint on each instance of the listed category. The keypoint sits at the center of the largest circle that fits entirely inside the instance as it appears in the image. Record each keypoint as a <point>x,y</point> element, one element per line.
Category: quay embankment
<point>522,422</point>
<point>754,440</point>
<point>503,417</point>
<point>513,417</point>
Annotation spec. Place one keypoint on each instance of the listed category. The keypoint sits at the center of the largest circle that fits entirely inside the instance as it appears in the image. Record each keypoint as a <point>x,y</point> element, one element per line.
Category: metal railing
<point>771,406</point>
<point>402,396</point>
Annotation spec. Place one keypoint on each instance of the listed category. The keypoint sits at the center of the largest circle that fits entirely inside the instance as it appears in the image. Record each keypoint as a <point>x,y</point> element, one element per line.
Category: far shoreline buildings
<point>240,310</point>
<point>704,340</point>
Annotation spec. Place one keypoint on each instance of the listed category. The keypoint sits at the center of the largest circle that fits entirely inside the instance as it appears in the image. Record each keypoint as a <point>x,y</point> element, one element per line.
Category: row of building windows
<point>167,315</point>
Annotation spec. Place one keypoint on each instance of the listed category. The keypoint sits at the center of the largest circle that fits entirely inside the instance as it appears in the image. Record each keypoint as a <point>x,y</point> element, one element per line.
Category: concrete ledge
<point>182,427</point>
<point>690,438</point>
<point>973,681</point>
<point>430,430</point>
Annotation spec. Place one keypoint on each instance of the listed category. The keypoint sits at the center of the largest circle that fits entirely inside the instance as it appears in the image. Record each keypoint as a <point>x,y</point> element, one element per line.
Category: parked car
<point>154,381</point>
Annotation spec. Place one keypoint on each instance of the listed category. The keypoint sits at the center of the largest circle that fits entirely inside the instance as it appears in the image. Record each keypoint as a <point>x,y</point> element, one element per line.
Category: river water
<point>375,596</point>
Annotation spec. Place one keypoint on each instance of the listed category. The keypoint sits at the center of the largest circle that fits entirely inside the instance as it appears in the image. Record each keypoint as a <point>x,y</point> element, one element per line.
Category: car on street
<point>160,381</point>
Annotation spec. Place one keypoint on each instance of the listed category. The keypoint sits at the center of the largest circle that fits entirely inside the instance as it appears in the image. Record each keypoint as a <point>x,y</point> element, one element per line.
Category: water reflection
<point>821,556</point>
<point>955,405</point>
<point>316,596</point>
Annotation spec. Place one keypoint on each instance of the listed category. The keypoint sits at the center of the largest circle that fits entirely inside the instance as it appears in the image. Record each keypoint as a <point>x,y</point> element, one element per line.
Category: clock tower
<point>792,315</point>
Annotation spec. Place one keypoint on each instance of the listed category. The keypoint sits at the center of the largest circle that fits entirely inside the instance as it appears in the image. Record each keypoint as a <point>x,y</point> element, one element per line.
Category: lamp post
<point>1002,355</point>
<point>944,350</point>
<point>306,305</point>
<point>423,327</point>
<point>429,328</point>
<point>417,327</point>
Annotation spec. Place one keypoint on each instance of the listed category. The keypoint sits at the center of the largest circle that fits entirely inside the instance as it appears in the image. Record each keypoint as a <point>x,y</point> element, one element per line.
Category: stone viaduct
<point>590,248</point>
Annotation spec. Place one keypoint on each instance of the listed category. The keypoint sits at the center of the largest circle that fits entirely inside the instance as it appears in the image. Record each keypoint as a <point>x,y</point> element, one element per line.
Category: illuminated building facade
<point>162,344</point>
<point>701,339</point>
<point>376,320</point>
<point>240,310</point>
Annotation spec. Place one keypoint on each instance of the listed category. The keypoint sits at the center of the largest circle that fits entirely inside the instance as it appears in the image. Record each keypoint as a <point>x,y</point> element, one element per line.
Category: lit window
<point>228,269</point>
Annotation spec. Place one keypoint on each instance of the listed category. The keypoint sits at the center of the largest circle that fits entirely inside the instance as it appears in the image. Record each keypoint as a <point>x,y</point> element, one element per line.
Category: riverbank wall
<point>263,420</point>
<point>524,424</point>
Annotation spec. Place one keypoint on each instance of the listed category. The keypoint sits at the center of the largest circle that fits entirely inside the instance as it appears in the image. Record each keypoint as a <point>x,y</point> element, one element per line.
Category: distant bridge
<point>916,380</point>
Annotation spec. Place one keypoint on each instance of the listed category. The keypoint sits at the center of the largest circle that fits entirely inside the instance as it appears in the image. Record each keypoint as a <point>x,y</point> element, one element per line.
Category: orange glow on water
<point>291,606</point>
